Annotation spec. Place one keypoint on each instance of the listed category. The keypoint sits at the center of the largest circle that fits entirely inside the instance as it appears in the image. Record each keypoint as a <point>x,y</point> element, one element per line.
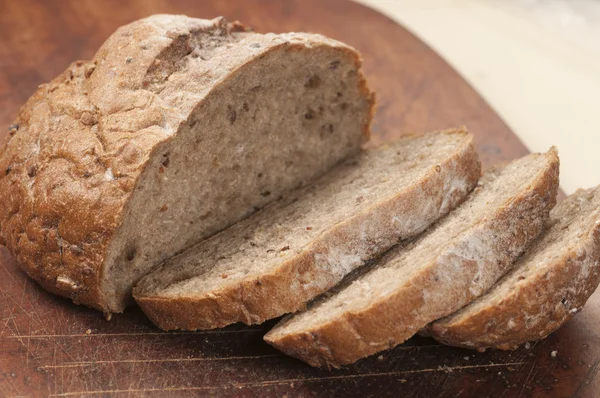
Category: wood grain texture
<point>50,347</point>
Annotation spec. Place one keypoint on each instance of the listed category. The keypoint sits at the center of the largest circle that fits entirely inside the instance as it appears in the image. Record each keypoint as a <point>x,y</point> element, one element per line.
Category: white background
<point>537,62</point>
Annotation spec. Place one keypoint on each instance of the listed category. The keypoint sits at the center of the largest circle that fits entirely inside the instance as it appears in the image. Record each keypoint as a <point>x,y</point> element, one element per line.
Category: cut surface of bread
<point>176,129</point>
<point>281,257</point>
<point>549,284</point>
<point>413,284</point>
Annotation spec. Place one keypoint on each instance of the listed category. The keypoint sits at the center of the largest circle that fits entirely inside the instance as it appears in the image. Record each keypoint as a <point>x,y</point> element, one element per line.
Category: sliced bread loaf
<point>436,274</point>
<point>176,129</point>
<point>275,261</point>
<point>548,285</point>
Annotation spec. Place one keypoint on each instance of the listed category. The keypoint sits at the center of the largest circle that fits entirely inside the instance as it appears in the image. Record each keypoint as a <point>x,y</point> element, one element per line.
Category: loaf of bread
<point>548,285</point>
<point>221,173</point>
<point>278,259</point>
<point>176,129</point>
<point>416,283</point>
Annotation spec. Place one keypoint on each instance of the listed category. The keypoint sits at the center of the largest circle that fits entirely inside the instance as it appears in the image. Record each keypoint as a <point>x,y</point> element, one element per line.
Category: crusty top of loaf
<point>72,156</point>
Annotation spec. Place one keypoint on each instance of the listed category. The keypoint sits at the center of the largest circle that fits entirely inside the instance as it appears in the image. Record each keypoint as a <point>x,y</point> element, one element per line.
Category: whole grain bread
<point>278,259</point>
<point>548,285</point>
<point>176,129</point>
<point>450,265</point>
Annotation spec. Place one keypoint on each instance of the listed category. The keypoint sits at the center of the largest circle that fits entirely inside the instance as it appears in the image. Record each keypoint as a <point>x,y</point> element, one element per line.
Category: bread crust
<point>536,306</point>
<point>74,154</point>
<point>287,288</point>
<point>389,321</point>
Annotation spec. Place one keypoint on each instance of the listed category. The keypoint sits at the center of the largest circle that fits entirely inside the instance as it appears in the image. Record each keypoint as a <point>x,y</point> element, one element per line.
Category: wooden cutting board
<point>50,347</point>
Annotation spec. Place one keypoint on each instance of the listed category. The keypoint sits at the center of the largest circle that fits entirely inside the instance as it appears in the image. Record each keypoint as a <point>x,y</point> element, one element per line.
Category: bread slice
<point>548,285</point>
<point>275,261</point>
<point>436,274</point>
<point>177,128</point>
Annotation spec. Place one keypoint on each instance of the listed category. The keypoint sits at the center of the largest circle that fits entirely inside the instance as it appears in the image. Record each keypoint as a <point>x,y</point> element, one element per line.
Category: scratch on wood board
<point>88,363</point>
<point>286,381</point>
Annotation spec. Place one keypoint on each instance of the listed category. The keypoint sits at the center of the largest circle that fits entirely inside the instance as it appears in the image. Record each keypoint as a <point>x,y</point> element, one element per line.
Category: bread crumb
<point>64,282</point>
<point>89,331</point>
<point>402,381</point>
<point>574,310</point>
<point>553,354</point>
<point>380,357</point>
<point>466,358</point>
<point>527,346</point>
